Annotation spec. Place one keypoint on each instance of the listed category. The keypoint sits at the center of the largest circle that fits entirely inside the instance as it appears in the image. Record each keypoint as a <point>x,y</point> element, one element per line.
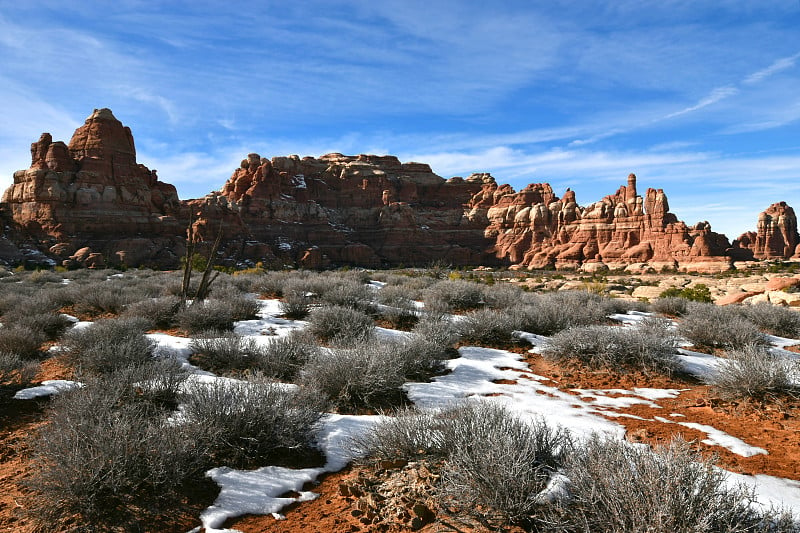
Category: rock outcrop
<point>91,203</point>
<point>776,235</point>
<point>534,228</point>
<point>366,210</point>
<point>93,194</point>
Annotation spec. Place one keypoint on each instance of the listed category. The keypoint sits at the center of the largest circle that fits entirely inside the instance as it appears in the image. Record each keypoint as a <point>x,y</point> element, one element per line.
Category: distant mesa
<point>90,203</point>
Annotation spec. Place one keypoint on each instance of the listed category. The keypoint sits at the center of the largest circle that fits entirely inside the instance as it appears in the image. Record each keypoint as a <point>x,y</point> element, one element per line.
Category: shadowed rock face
<point>776,234</point>
<point>91,199</point>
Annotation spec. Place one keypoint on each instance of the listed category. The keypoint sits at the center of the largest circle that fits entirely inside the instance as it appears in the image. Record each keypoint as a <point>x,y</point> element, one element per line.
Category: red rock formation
<point>367,209</point>
<point>535,229</point>
<point>92,193</point>
<point>91,202</point>
<point>776,236</point>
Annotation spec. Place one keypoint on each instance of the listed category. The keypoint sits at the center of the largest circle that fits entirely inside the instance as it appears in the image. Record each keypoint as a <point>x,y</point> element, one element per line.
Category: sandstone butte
<point>90,203</point>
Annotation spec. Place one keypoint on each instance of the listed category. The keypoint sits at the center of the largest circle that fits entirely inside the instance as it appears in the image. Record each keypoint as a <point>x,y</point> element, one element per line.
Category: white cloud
<point>777,66</point>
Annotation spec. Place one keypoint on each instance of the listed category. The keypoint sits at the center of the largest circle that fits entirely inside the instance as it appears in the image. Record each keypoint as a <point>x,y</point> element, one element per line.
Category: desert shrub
<point>350,294</point>
<point>21,340</point>
<point>410,434</point>
<point>14,300</point>
<point>101,298</point>
<point>421,358</point>
<point>439,330</point>
<point>14,368</point>
<point>495,463</point>
<point>546,314</point>
<point>711,326</point>
<point>224,353</point>
<point>241,306</point>
<point>40,277</point>
<point>160,312</point>
<point>503,296</point>
<point>108,345</point>
<point>49,323</point>
<point>107,461</point>
<point>414,286</point>
<point>295,304</point>
<point>245,423</point>
<point>457,295</point>
<point>205,315</point>
<point>340,325</point>
<point>755,372</point>
<point>698,293</point>
<point>773,319</point>
<point>670,305</point>
<point>498,463</point>
<point>488,327</point>
<point>398,309</point>
<point>649,347</point>
<point>364,376</point>
<point>614,486</point>
<point>283,357</point>
<point>271,284</point>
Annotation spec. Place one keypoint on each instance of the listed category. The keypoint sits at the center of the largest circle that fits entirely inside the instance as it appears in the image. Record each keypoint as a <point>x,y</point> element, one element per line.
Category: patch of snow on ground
<point>47,388</point>
<point>630,318</point>
<point>601,398</point>
<point>772,492</point>
<point>473,374</point>
<point>700,365</point>
<point>258,491</point>
<point>718,437</point>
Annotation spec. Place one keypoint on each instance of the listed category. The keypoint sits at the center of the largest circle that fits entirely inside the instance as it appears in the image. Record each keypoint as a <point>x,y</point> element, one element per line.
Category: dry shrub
<point>340,325</point>
<point>650,346</point>
<point>615,486</point>
<point>247,423</point>
<point>712,326</point>
<point>755,372</point>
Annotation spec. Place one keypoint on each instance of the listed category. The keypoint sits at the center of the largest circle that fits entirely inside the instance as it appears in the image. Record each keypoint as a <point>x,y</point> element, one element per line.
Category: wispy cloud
<point>784,63</point>
<point>716,95</point>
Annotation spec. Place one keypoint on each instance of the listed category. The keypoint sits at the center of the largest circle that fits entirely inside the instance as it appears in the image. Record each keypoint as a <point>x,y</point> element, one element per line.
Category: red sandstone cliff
<point>368,210</point>
<point>93,193</point>
<point>534,228</point>
<point>776,236</point>
<point>90,202</point>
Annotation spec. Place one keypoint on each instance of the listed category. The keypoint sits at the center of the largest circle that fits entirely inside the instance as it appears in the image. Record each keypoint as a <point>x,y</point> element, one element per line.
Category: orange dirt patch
<point>773,427</point>
<point>54,368</point>
<point>341,508</point>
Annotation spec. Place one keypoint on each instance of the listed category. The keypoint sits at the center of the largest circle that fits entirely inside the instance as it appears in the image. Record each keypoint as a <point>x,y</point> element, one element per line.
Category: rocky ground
<point>738,286</point>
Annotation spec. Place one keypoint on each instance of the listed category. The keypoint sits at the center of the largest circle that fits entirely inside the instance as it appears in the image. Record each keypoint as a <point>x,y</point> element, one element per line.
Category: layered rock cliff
<point>367,210</point>
<point>93,193</point>
<point>776,235</point>
<point>536,229</point>
<point>90,202</point>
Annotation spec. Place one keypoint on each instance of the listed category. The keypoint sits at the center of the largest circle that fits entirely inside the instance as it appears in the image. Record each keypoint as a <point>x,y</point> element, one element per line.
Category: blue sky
<point>700,98</point>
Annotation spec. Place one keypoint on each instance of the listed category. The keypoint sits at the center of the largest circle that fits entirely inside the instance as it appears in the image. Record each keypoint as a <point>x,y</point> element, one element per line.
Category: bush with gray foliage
<point>615,486</point>
<point>366,375</point>
<point>246,423</point>
<point>773,319</point>
<point>711,326</point>
<point>340,325</point>
<point>649,346</point>
<point>108,461</point>
<point>758,373</point>
<point>547,314</point>
<point>108,345</point>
